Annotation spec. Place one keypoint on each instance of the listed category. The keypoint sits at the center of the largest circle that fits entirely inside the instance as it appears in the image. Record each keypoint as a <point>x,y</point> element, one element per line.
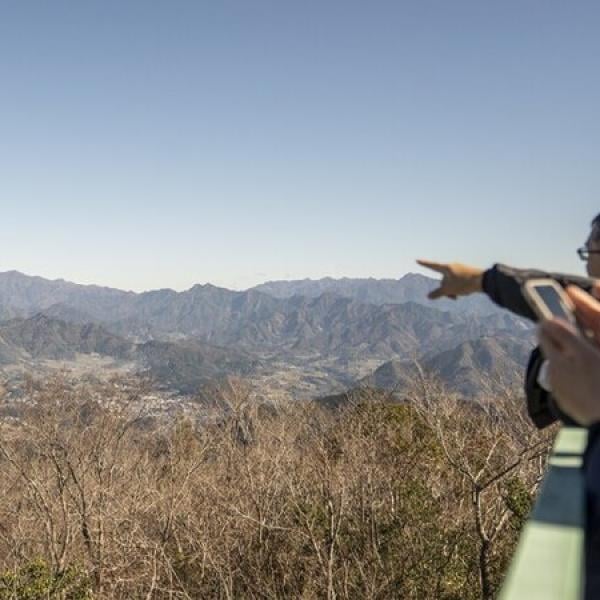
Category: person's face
<point>593,261</point>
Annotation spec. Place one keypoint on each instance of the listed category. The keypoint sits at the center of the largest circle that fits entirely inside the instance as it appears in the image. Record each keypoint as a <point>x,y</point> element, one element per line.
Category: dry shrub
<point>376,499</point>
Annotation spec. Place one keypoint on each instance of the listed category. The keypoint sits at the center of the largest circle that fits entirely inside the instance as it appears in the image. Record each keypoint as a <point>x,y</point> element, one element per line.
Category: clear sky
<point>148,144</point>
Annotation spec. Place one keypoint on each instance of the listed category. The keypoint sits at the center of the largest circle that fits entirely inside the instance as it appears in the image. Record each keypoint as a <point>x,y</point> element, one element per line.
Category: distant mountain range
<point>30,294</point>
<point>184,338</point>
<point>413,287</point>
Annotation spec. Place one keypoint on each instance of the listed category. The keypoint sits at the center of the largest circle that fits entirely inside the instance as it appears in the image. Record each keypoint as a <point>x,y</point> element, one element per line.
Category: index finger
<point>434,266</point>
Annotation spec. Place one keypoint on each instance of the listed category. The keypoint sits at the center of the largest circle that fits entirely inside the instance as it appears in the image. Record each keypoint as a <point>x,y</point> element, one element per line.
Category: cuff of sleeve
<point>487,281</point>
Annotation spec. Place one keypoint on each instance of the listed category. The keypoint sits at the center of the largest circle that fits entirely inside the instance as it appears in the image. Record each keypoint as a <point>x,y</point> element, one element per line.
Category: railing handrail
<point>549,560</point>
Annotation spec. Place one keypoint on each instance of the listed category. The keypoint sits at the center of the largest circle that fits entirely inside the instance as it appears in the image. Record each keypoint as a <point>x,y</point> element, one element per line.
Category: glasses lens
<point>583,253</point>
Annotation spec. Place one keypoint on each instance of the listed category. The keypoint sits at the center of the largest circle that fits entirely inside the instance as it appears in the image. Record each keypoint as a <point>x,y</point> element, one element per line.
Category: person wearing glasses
<point>502,284</point>
<point>590,251</point>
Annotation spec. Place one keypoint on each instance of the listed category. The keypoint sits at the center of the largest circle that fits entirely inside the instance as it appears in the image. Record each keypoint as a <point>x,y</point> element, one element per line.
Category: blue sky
<point>162,144</point>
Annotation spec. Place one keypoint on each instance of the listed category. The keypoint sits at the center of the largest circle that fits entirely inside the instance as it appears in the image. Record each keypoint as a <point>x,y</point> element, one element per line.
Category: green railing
<point>549,561</point>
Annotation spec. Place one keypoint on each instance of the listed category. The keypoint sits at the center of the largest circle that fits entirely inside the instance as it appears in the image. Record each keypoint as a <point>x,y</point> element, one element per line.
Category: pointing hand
<point>457,280</point>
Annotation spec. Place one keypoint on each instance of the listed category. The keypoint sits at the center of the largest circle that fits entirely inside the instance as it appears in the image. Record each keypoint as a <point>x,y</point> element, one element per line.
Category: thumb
<point>558,339</point>
<point>587,309</point>
<point>438,293</point>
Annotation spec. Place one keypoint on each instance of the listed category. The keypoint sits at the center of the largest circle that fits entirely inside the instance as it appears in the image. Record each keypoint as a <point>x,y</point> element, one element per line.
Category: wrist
<point>476,281</point>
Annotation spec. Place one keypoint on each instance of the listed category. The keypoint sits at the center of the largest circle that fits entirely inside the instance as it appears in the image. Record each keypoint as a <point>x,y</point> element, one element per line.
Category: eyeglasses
<point>584,253</point>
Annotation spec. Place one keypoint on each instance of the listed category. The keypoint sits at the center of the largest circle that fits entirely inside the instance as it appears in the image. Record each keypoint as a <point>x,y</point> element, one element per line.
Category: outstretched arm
<point>501,283</point>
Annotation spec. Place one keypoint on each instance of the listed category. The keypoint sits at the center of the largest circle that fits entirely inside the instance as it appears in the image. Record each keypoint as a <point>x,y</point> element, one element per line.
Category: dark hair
<point>595,233</point>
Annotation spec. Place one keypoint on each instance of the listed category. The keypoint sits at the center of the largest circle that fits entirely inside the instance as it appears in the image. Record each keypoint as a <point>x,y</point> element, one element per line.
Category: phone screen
<point>551,299</point>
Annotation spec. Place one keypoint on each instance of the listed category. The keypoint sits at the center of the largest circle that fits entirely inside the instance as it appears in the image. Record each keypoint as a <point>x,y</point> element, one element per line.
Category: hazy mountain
<point>65,312</point>
<point>30,295</point>
<point>187,365</point>
<point>205,309</point>
<point>255,321</point>
<point>43,337</point>
<point>186,338</point>
<point>182,366</point>
<point>471,367</point>
<point>8,353</point>
<point>413,287</point>
<point>333,325</point>
<point>9,312</point>
<point>197,311</point>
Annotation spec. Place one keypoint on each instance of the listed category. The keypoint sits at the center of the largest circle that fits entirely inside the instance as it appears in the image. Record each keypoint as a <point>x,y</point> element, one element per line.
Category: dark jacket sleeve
<point>503,286</point>
<point>541,406</point>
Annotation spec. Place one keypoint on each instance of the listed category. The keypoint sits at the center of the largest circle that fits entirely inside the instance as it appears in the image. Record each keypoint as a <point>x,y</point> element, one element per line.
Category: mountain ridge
<point>223,329</point>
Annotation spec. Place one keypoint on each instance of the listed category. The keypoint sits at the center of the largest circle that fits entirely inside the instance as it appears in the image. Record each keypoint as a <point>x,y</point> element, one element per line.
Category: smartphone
<point>548,299</point>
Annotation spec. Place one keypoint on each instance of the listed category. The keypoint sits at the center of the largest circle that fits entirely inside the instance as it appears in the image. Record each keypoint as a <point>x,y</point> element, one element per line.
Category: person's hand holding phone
<point>574,358</point>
